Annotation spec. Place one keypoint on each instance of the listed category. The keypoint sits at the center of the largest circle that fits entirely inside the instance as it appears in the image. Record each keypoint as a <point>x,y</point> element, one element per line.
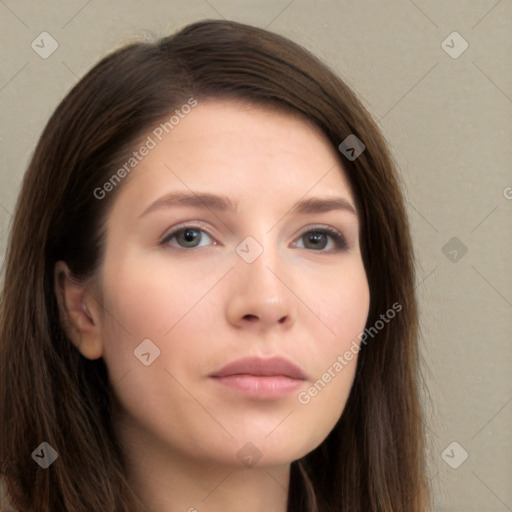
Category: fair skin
<point>203,306</point>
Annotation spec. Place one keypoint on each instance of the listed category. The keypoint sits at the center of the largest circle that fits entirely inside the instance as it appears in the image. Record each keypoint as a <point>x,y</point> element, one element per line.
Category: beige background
<point>449,123</point>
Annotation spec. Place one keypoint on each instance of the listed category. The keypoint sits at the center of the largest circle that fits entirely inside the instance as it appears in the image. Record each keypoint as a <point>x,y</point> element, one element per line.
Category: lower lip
<point>264,388</point>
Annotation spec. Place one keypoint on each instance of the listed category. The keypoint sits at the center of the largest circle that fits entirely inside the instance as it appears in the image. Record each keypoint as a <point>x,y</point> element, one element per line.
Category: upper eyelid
<point>193,224</point>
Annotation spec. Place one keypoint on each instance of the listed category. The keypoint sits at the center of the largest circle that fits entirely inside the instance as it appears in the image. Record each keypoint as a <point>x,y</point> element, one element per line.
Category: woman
<point>209,292</point>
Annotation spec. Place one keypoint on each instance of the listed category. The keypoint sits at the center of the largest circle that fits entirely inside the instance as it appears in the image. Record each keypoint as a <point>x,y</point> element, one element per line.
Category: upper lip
<point>261,367</point>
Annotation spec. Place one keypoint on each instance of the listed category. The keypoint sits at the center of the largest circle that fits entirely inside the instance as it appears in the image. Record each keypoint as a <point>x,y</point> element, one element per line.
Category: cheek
<point>148,322</point>
<point>151,302</point>
<point>148,300</point>
<point>181,312</point>
<point>342,304</point>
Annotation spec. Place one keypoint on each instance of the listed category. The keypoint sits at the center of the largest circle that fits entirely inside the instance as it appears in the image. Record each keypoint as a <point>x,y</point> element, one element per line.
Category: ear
<point>79,312</point>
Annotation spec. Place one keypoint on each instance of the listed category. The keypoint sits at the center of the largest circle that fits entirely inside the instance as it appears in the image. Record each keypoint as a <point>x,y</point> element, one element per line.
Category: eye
<point>317,239</point>
<point>189,236</point>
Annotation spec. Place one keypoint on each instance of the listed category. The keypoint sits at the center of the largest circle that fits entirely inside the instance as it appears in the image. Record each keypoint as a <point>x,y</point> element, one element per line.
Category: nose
<point>261,292</point>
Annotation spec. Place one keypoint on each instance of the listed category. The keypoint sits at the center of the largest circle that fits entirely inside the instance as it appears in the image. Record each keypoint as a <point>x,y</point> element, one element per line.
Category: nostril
<point>250,317</point>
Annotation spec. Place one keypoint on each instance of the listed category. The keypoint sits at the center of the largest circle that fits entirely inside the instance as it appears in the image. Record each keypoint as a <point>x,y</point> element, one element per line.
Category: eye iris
<point>189,234</point>
<point>316,235</point>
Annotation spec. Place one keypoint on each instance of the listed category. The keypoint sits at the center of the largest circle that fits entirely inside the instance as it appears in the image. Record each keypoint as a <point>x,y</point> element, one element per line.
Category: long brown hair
<point>374,458</point>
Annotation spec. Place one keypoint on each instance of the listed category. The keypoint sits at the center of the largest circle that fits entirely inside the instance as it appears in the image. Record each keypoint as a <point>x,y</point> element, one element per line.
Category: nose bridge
<point>260,290</point>
<point>260,257</point>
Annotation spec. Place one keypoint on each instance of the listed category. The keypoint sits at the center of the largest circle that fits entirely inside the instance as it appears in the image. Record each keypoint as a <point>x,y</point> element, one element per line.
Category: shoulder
<point>5,502</point>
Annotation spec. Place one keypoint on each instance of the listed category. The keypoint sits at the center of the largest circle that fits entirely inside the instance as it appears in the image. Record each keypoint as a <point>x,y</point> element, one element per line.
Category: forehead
<point>241,150</point>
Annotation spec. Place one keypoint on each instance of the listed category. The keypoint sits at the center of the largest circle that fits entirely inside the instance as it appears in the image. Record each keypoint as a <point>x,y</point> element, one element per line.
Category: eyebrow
<point>224,203</point>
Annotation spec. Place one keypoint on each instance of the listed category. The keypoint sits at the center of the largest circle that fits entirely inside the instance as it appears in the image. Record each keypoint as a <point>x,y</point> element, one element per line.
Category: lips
<point>260,379</point>
<point>276,366</point>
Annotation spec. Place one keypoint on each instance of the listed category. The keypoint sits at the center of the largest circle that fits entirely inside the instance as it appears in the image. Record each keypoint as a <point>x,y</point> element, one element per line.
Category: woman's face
<point>260,281</point>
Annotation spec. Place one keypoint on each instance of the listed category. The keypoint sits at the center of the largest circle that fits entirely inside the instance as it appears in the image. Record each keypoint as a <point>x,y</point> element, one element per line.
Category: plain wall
<point>448,120</point>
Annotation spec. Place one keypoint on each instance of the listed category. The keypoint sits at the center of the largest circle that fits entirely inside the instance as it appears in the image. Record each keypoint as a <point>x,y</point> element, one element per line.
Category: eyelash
<point>339,240</point>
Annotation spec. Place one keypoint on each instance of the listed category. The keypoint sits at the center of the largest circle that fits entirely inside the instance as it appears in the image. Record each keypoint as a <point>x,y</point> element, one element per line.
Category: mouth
<point>264,379</point>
